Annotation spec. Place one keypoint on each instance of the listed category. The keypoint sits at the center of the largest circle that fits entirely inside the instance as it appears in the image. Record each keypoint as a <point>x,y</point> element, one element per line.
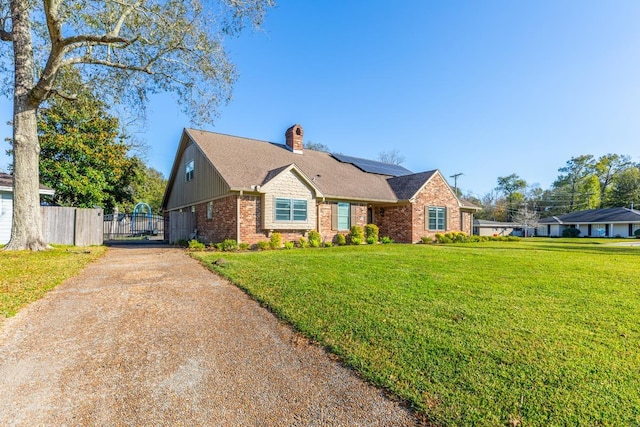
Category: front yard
<point>540,332</point>
<point>27,276</point>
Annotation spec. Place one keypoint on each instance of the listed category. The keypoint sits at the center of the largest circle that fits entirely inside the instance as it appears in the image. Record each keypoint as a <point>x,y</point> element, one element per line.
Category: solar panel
<point>373,166</point>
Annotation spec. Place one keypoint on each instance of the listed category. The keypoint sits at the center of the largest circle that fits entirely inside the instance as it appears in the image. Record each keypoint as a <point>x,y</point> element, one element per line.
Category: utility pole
<point>455,181</point>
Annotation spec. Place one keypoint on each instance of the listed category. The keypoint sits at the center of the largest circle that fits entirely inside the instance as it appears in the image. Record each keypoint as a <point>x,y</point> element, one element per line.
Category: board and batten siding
<point>6,216</point>
<point>288,186</point>
<point>205,185</point>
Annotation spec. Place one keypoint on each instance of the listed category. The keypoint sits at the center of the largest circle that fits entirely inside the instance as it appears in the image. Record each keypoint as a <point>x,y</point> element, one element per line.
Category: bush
<point>244,246</point>
<point>371,233</point>
<point>371,240</point>
<point>275,241</point>
<point>356,236</point>
<point>386,240</point>
<point>426,239</point>
<point>315,239</point>
<point>263,245</point>
<point>303,243</point>
<point>328,244</point>
<point>341,240</point>
<point>637,233</point>
<point>570,232</point>
<point>194,245</point>
<point>229,245</point>
<point>289,245</point>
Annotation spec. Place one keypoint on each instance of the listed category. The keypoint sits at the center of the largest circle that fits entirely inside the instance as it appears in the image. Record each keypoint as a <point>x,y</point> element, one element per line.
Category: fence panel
<point>88,227</point>
<point>58,224</point>
<point>72,226</point>
<point>181,226</point>
<point>131,227</point>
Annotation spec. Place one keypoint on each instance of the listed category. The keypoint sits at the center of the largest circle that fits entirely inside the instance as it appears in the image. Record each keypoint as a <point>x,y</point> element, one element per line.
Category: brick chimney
<point>293,136</point>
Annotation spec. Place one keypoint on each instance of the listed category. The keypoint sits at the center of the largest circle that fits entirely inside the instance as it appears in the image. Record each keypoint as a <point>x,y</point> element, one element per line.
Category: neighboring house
<point>245,189</point>
<point>610,222</point>
<point>6,205</point>
<point>483,227</point>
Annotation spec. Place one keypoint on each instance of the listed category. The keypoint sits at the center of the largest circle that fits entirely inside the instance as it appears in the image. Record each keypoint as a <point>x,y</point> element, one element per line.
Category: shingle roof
<point>407,185</point>
<point>595,216</point>
<point>6,181</point>
<point>244,163</point>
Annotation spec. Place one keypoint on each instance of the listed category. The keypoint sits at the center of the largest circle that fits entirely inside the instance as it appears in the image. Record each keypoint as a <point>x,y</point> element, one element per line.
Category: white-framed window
<point>210,210</point>
<point>344,216</point>
<point>290,209</point>
<point>437,218</point>
<point>188,171</point>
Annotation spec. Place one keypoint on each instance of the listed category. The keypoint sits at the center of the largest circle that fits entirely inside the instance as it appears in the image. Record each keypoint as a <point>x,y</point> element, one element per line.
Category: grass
<point>28,276</point>
<point>544,332</point>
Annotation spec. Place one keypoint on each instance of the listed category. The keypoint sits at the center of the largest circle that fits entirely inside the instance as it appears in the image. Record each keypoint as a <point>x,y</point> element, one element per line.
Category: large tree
<point>606,168</point>
<point>512,186</point>
<point>127,48</point>
<point>625,190</point>
<point>574,182</point>
<point>84,156</point>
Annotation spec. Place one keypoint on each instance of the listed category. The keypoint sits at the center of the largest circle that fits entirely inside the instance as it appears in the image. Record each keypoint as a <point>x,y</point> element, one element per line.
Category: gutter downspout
<point>238,218</point>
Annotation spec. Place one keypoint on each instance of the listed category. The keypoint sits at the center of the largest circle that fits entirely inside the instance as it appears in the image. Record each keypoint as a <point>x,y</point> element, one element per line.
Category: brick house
<point>245,189</point>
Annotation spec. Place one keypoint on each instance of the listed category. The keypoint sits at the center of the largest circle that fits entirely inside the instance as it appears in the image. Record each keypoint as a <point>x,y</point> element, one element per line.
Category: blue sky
<point>483,88</point>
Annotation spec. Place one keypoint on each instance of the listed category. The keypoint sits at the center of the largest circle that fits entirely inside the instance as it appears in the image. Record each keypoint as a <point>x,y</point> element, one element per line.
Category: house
<point>6,205</point>
<point>483,227</point>
<point>245,189</point>
<point>610,222</point>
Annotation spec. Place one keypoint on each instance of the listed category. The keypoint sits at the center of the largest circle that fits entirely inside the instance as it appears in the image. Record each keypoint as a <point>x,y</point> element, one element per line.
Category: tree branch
<point>93,61</point>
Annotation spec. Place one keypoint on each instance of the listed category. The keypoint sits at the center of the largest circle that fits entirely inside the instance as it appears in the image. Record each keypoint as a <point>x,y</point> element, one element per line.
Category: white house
<point>610,222</point>
<point>6,205</point>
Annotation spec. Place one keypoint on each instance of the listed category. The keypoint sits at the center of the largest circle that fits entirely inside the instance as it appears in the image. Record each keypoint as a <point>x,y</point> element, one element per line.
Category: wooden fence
<point>182,226</point>
<point>72,226</point>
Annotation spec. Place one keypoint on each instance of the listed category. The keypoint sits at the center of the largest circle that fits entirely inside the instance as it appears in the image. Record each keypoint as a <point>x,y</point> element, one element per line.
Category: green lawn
<point>27,276</point>
<point>532,333</point>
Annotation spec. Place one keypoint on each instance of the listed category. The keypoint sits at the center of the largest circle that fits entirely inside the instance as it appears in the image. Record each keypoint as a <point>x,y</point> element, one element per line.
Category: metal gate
<point>133,226</point>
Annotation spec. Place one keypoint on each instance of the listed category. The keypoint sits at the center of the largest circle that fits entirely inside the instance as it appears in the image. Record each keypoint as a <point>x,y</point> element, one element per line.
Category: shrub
<point>194,245</point>
<point>341,240</point>
<point>244,246</point>
<point>637,233</point>
<point>275,241</point>
<point>303,243</point>
<point>315,239</point>
<point>229,245</point>
<point>386,240</point>
<point>289,245</point>
<point>327,244</point>
<point>183,243</point>
<point>356,236</point>
<point>371,232</point>
<point>263,245</point>
<point>426,239</point>
<point>570,232</point>
<point>371,240</point>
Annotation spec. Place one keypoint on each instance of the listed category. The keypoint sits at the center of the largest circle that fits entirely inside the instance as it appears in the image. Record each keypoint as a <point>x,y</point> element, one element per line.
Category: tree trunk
<point>26,229</point>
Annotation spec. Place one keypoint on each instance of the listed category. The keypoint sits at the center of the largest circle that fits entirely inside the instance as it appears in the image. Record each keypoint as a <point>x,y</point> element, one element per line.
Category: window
<point>291,210</point>
<point>210,210</point>
<point>344,216</point>
<point>188,171</point>
<point>437,218</point>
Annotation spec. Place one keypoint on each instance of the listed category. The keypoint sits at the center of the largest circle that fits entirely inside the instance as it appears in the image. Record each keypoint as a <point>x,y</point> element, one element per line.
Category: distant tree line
<point>584,182</point>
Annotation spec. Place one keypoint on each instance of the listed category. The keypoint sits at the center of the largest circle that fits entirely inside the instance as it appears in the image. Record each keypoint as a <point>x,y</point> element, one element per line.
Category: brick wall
<point>395,222</point>
<point>327,233</point>
<point>223,223</point>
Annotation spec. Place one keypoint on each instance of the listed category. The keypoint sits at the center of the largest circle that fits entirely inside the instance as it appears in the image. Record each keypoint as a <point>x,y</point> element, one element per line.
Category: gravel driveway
<point>148,336</point>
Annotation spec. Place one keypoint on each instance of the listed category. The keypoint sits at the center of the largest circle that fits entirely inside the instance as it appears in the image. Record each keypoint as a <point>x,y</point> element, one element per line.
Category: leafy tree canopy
<point>83,157</point>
